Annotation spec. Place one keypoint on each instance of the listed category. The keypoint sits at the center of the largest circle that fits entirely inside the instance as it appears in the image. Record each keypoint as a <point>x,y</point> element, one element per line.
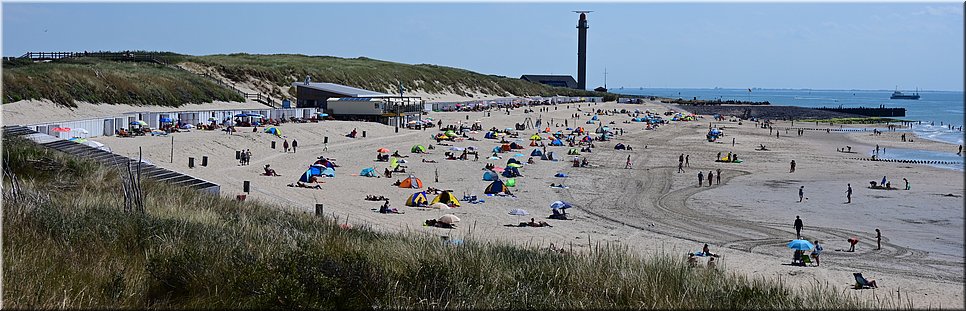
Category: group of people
<point>711,177</point>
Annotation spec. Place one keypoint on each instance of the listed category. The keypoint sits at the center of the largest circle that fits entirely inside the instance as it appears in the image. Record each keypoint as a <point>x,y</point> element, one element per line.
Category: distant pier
<point>881,111</point>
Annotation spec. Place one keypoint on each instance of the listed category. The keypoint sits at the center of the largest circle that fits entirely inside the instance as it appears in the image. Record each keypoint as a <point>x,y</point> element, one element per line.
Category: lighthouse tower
<point>582,50</point>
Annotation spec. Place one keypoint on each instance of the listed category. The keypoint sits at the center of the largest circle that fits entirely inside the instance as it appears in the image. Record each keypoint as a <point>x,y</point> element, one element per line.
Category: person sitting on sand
<point>386,210</point>
<point>387,173</point>
<point>269,171</point>
<point>556,214</point>
<point>429,161</point>
<point>397,183</point>
<point>396,154</point>
<point>711,264</point>
<point>530,161</point>
<point>584,163</point>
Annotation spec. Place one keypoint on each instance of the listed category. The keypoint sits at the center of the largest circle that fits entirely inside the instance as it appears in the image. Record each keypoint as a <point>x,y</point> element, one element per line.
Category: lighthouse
<point>582,50</point>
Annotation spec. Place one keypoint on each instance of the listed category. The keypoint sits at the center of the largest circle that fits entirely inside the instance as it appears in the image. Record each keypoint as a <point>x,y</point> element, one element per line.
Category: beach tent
<point>489,135</point>
<point>556,142</point>
<point>495,187</point>
<point>586,139</point>
<point>314,170</point>
<point>450,133</point>
<point>418,149</point>
<point>590,122</point>
<point>497,149</point>
<point>561,175</point>
<point>620,146</point>
<point>411,182</point>
<point>594,118</point>
<point>417,199</point>
<point>546,130</point>
<point>505,147</point>
<point>273,131</point>
<point>490,176</point>
<point>368,172</point>
<point>533,143</point>
<point>519,212</point>
<point>393,162</point>
<point>512,182</point>
<point>328,171</point>
<point>325,163</point>
<point>573,151</point>
<point>536,137</point>
<point>511,172</point>
<point>512,160</point>
<point>536,153</point>
<point>515,146</point>
<point>446,198</point>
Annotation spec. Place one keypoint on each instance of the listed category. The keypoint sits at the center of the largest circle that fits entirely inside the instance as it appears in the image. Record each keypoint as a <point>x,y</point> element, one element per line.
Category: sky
<point>678,45</point>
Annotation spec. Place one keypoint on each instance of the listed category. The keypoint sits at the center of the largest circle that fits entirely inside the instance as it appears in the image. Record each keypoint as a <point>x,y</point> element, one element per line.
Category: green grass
<point>100,81</point>
<point>68,244</point>
<point>863,120</point>
<point>119,82</point>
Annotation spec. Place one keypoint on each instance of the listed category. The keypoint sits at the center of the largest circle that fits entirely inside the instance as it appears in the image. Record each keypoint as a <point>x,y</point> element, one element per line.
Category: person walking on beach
<point>732,141</point>
<point>680,167</point>
<point>878,239</point>
<point>960,150</point>
<point>718,177</point>
<point>801,194</point>
<point>792,168</point>
<point>907,183</point>
<point>681,158</point>
<point>876,148</point>
<point>687,161</point>
<point>285,146</point>
<point>295,145</point>
<point>700,178</point>
<point>710,177</point>
<point>628,164</point>
<point>848,194</point>
<point>798,227</point>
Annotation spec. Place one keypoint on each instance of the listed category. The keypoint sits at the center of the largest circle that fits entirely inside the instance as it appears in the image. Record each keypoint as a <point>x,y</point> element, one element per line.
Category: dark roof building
<point>552,80</point>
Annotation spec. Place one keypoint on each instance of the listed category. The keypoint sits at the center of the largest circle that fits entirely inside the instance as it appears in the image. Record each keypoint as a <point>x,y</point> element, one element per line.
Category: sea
<point>936,109</point>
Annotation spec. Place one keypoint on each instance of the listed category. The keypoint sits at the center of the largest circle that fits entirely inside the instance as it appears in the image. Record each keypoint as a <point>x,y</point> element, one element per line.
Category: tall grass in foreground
<point>68,243</point>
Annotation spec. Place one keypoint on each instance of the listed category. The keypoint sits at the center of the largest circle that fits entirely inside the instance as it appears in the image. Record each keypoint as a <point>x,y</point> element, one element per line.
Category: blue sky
<point>732,45</point>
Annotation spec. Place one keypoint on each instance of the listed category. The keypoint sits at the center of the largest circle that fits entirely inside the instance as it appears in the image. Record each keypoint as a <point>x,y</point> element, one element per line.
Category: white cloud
<point>941,11</point>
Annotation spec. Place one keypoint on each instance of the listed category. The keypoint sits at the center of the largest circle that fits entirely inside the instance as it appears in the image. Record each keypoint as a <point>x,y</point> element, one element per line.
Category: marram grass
<point>72,246</point>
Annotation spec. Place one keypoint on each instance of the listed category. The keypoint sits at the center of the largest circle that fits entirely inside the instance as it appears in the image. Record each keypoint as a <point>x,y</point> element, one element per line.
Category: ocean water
<point>950,159</point>
<point>935,109</point>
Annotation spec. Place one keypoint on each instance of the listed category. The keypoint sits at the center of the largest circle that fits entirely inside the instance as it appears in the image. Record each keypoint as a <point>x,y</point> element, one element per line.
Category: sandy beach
<point>650,209</point>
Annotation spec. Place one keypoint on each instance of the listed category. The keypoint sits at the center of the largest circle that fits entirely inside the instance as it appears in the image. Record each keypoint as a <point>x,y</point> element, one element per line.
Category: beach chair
<point>861,282</point>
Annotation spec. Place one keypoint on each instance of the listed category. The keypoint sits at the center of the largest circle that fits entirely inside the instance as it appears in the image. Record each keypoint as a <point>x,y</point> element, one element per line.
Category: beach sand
<point>650,209</point>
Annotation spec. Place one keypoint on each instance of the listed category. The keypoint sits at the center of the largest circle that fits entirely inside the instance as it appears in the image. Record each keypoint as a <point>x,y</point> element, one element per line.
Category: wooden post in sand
<point>319,209</point>
<point>172,149</point>
<point>247,186</point>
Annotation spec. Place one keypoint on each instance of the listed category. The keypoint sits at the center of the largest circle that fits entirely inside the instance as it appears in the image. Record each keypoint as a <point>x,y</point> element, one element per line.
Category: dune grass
<point>68,244</point>
<point>373,74</point>
<point>112,82</point>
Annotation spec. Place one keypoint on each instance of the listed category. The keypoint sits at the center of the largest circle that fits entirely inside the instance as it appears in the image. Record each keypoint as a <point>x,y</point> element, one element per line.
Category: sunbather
<point>300,184</point>
<point>269,171</point>
<point>861,282</point>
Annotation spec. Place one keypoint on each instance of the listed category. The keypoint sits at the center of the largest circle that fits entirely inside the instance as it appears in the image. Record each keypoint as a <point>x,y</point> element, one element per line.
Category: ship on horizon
<point>900,95</point>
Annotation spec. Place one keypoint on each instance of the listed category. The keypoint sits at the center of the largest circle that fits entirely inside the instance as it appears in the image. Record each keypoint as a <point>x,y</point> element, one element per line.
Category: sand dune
<point>650,208</point>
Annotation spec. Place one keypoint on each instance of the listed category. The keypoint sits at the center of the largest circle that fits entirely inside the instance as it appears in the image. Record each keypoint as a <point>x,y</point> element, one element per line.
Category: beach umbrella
<point>241,115</point>
<point>212,119</point>
<point>454,148</point>
<point>382,150</point>
<point>803,245</point>
<point>471,148</point>
<point>61,129</point>
<point>77,140</point>
<point>514,165</point>
<point>519,212</point>
<point>519,155</point>
<point>498,169</point>
<point>560,205</point>
<point>449,219</point>
<point>439,205</point>
<point>323,115</point>
<point>139,122</point>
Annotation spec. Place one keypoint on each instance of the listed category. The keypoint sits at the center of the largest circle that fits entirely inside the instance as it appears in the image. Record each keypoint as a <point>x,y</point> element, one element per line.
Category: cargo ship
<point>900,95</point>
